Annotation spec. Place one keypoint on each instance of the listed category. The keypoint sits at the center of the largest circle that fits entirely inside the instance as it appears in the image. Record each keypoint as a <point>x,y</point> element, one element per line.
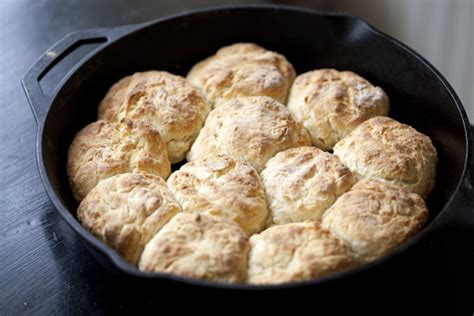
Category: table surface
<point>45,269</point>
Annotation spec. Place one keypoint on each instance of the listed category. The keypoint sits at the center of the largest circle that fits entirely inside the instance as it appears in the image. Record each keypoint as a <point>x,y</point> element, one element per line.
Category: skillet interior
<point>309,41</point>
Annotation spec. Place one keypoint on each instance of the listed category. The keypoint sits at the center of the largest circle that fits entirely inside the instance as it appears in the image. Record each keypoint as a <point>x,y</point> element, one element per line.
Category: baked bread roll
<point>296,252</point>
<point>385,149</point>
<point>198,246</point>
<point>251,129</point>
<point>375,218</point>
<point>164,101</point>
<point>243,69</point>
<point>219,185</point>
<point>103,149</point>
<point>331,103</point>
<point>125,211</point>
<point>301,183</point>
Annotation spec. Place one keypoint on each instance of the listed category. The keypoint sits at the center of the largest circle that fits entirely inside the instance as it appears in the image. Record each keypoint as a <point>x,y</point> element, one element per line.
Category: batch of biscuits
<point>284,178</point>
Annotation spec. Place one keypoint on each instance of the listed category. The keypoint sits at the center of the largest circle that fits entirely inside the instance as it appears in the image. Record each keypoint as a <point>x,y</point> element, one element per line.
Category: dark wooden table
<point>44,269</point>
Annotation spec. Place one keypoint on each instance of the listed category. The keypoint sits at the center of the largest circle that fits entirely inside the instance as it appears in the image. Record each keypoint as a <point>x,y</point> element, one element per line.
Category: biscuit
<point>198,246</point>
<point>374,218</point>
<point>219,185</point>
<point>252,129</point>
<point>164,101</point>
<point>243,69</point>
<point>385,149</point>
<point>125,211</point>
<point>296,252</point>
<point>301,183</point>
<point>103,149</point>
<point>331,103</point>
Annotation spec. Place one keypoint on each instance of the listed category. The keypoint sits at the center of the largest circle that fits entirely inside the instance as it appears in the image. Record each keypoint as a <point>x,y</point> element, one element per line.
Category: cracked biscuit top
<point>198,246</point>
<point>243,69</point>
<point>125,211</point>
<point>222,186</point>
<point>103,149</point>
<point>387,150</point>
<point>252,129</point>
<point>331,103</point>
<point>302,182</point>
<point>375,218</point>
<point>162,100</point>
<point>296,252</point>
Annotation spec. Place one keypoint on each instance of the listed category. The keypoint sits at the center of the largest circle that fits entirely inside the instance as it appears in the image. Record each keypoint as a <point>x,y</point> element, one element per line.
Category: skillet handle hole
<point>50,78</point>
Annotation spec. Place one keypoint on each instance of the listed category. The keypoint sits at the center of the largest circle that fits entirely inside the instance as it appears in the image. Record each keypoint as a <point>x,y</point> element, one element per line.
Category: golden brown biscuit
<point>385,149</point>
<point>301,183</point>
<point>164,101</point>
<point>374,218</point>
<point>251,129</point>
<point>103,149</point>
<point>243,69</point>
<point>125,211</point>
<point>296,252</point>
<point>198,246</point>
<point>331,103</point>
<point>219,185</point>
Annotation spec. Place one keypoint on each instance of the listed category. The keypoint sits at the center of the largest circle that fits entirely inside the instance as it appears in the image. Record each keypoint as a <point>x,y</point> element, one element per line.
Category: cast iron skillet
<point>419,95</point>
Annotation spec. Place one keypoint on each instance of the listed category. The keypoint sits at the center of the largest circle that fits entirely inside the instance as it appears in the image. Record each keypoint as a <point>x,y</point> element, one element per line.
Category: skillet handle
<point>39,101</point>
